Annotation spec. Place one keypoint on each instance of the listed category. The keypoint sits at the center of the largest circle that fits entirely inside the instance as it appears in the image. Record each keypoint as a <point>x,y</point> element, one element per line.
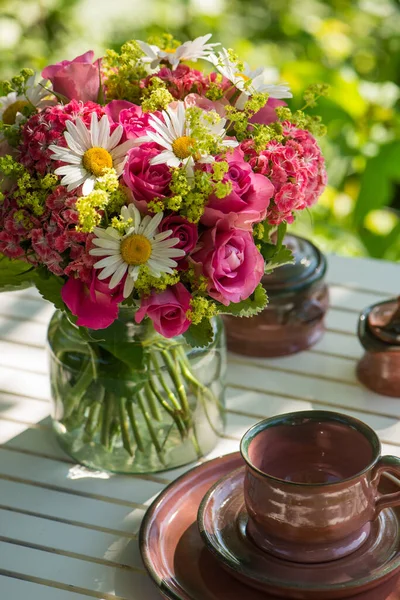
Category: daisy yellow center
<point>95,160</point>
<point>136,249</point>
<point>242,76</point>
<point>182,146</point>
<point>170,50</point>
<point>10,114</point>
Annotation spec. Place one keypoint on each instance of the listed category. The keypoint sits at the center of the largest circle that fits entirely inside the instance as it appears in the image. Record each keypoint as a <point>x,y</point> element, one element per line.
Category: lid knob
<point>384,321</point>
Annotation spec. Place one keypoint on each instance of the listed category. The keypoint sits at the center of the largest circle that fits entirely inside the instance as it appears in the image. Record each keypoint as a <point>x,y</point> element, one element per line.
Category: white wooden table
<point>67,533</point>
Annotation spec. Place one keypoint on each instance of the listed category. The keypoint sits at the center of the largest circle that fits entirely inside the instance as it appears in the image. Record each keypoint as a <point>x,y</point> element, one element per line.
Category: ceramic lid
<point>379,325</point>
<point>309,267</point>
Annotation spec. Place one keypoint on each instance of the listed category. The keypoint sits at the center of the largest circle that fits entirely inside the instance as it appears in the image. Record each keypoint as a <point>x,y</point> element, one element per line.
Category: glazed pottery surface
<point>183,569</point>
<point>311,484</point>
<point>379,333</point>
<point>222,523</point>
<point>293,319</point>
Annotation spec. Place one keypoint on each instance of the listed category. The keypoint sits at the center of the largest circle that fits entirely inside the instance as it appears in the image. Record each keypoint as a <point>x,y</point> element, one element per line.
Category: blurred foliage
<point>352,45</point>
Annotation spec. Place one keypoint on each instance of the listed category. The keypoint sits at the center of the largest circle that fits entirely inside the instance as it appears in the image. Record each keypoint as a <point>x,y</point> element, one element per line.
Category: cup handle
<point>386,464</point>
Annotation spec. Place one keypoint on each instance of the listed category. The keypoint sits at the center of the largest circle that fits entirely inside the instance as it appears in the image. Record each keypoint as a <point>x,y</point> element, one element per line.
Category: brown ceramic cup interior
<point>311,451</point>
<point>311,484</point>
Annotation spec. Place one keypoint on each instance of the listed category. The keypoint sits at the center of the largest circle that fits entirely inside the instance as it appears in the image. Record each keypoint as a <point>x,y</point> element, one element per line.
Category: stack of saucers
<point>306,510</point>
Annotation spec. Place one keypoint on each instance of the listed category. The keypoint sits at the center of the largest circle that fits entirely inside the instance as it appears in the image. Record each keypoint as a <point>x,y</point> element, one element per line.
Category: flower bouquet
<point>144,198</point>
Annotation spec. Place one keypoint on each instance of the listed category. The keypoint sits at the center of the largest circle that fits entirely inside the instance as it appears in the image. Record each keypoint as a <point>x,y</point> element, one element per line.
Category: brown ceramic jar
<point>293,320</point>
<point>379,333</point>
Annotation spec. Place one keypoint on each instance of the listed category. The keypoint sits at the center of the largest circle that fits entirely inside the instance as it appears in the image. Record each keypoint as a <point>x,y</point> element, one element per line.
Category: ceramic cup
<point>311,484</point>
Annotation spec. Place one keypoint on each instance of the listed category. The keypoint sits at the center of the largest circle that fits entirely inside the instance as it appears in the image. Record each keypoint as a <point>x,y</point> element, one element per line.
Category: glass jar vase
<point>128,400</point>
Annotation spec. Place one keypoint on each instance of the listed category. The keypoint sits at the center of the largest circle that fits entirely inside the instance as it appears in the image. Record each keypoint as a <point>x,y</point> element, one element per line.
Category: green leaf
<point>199,335</point>
<point>117,341</point>
<point>377,182</point>
<point>15,274</point>
<point>250,307</point>
<point>284,256</point>
<point>282,227</point>
<point>49,287</point>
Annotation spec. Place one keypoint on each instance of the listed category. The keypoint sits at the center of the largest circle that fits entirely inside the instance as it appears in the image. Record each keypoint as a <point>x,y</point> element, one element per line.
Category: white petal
<point>104,252</point>
<point>94,130</point>
<point>71,177</point>
<point>115,137</point>
<point>84,134</point>
<point>88,186</point>
<point>134,271</point>
<point>108,271</point>
<point>104,132</point>
<point>72,186</point>
<point>102,233</point>
<point>64,170</point>
<point>159,237</point>
<point>230,143</point>
<point>160,140</point>
<point>109,260</point>
<point>151,228</point>
<point>162,158</point>
<point>122,149</point>
<point>128,287</point>
<point>104,243</point>
<point>73,131</point>
<point>173,161</point>
<point>118,275</point>
<point>74,145</point>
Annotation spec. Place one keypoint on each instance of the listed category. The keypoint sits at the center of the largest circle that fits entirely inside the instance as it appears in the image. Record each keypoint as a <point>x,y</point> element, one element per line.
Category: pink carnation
<point>130,116</point>
<point>296,169</point>
<point>249,200</point>
<point>77,79</point>
<point>95,305</point>
<point>167,310</point>
<point>46,128</point>
<point>10,245</point>
<point>230,261</point>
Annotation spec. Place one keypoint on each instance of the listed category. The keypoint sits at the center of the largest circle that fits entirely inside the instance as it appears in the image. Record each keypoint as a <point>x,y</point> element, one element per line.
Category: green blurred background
<point>352,45</point>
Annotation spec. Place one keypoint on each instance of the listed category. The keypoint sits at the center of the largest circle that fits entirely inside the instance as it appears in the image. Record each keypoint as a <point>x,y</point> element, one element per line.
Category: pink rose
<point>147,182</point>
<point>96,306</point>
<point>231,262</point>
<point>249,200</point>
<point>267,113</point>
<point>77,79</point>
<point>167,310</point>
<point>182,229</point>
<point>130,116</point>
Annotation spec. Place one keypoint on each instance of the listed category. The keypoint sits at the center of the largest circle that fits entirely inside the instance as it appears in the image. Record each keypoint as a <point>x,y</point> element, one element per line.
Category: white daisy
<point>191,50</point>
<point>173,134</point>
<point>12,105</point>
<point>89,152</point>
<point>139,245</point>
<point>246,80</point>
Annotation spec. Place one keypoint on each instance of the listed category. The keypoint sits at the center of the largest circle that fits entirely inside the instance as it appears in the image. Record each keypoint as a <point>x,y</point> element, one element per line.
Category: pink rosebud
<point>182,229</point>
<point>77,79</point>
<point>230,261</point>
<point>167,310</point>
<point>96,306</point>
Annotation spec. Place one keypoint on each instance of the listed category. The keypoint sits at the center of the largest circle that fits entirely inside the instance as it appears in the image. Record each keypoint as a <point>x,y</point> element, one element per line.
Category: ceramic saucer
<point>175,556</point>
<point>222,522</point>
